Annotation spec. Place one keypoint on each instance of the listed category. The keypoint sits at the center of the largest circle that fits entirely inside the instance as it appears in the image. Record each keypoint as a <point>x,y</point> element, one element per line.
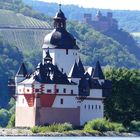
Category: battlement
<point>100,22</point>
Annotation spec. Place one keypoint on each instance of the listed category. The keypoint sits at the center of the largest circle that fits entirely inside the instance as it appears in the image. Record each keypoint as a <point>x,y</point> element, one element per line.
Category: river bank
<point>28,132</point>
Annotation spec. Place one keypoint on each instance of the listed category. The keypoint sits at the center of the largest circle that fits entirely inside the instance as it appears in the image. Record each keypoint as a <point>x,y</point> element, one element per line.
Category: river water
<point>69,138</point>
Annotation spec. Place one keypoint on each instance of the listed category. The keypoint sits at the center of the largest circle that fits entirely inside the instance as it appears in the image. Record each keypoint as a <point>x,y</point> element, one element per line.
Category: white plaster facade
<point>63,58</point>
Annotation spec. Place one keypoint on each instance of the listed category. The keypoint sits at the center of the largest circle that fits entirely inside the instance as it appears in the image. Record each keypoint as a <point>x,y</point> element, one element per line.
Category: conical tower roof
<point>74,73</point>
<point>22,70</point>
<point>60,14</point>
<point>81,67</point>
<point>98,73</point>
<point>48,57</point>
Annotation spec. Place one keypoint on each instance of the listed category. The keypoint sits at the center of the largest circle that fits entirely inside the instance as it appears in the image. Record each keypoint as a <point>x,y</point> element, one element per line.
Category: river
<point>69,138</point>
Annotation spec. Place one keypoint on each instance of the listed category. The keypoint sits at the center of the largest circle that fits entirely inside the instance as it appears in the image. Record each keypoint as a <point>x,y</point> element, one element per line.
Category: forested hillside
<point>18,45</point>
<point>10,59</point>
<point>128,20</point>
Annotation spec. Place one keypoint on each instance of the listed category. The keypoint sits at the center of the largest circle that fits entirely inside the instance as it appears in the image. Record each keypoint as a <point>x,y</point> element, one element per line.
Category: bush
<point>103,125</point>
<point>11,122</point>
<point>135,126</point>
<point>52,128</point>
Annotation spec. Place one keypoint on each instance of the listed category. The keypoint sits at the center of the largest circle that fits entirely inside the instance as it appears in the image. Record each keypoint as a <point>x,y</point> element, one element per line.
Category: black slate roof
<point>22,70</point>
<point>49,73</point>
<point>61,39</point>
<point>48,57</point>
<point>94,84</point>
<point>81,67</point>
<point>60,15</point>
<point>76,71</point>
<point>98,73</point>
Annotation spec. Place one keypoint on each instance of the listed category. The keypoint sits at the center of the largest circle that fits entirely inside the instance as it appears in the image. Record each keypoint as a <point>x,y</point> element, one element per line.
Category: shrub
<point>11,122</point>
<point>103,125</point>
<point>118,127</point>
<point>52,128</point>
<point>135,126</point>
<point>39,129</point>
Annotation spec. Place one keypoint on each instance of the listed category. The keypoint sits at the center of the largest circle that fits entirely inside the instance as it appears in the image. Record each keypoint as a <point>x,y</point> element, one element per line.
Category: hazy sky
<point>107,4</point>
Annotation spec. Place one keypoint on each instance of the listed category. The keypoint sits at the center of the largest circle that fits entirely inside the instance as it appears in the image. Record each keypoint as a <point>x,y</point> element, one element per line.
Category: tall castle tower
<point>59,89</point>
<point>61,44</point>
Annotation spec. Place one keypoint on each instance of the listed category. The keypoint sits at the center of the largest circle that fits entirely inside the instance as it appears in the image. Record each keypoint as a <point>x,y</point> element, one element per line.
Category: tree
<point>123,104</point>
<point>4,117</point>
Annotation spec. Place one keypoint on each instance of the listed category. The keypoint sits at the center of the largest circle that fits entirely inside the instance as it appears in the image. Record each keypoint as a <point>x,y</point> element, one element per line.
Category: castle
<point>101,23</point>
<point>59,89</point>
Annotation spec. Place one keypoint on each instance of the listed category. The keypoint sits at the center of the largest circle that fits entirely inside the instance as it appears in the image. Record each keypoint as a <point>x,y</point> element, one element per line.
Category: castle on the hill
<point>101,23</point>
<point>59,89</point>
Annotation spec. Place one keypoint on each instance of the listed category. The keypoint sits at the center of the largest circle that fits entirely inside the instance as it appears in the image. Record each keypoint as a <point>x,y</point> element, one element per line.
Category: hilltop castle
<point>59,89</point>
<point>101,23</point>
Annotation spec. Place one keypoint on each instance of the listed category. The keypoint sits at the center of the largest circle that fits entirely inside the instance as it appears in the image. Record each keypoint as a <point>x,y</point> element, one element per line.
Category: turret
<point>98,73</point>
<point>61,44</point>
<point>77,72</point>
<point>48,58</point>
<point>98,15</point>
<point>59,19</point>
<point>21,74</point>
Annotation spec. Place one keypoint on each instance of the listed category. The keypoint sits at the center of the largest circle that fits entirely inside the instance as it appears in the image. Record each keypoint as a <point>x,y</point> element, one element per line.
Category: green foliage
<point>128,19</point>
<point>103,125</point>
<point>135,126</point>
<point>96,46</point>
<point>4,117</point>
<point>52,128</point>
<point>123,104</point>
<point>11,123</point>
<point>19,7</point>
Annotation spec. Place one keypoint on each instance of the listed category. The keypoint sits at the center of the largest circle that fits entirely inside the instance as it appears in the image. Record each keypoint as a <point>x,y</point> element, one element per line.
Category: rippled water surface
<point>69,138</point>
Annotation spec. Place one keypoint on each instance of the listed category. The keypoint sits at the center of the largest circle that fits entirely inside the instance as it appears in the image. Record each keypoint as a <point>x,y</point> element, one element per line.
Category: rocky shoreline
<point>27,132</point>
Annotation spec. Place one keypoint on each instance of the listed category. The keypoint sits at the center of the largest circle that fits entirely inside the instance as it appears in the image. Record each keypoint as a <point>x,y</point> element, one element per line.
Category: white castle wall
<point>91,109</point>
<point>21,101</point>
<point>61,59</point>
<point>96,93</point>
<point>68,102</point>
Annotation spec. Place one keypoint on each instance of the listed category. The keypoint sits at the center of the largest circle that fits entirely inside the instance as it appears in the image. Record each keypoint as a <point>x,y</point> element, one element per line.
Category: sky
<point>103,4</point>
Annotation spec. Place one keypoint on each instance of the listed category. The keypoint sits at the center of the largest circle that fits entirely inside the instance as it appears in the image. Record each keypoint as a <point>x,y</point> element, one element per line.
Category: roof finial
<point>60,6</point>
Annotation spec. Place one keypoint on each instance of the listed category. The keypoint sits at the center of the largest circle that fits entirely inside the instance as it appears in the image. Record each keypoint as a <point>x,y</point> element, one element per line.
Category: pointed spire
<point>74,73</point>
<point>81,67</point>
<point>77,71</point>
<point>47,57</point>
<point>60,19</point>
<point>59,6</point>
<point>98,73</point>
<point>22,70</point>
<point>60,15</point>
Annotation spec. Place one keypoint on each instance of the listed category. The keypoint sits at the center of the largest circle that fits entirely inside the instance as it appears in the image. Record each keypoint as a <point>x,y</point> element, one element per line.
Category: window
<point>61,101</point>
<point>64,90</point>
<point>92,107</point>
<point>99,107</point>
<point>96,107</point>
<point>57,90</point>
<point>71,91</point>
<point>36,90</point>
<point>66,51</point>
<point>19,90</point>
<point>49,90</point>
<point>88,106</point>
<point>85,106</point>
